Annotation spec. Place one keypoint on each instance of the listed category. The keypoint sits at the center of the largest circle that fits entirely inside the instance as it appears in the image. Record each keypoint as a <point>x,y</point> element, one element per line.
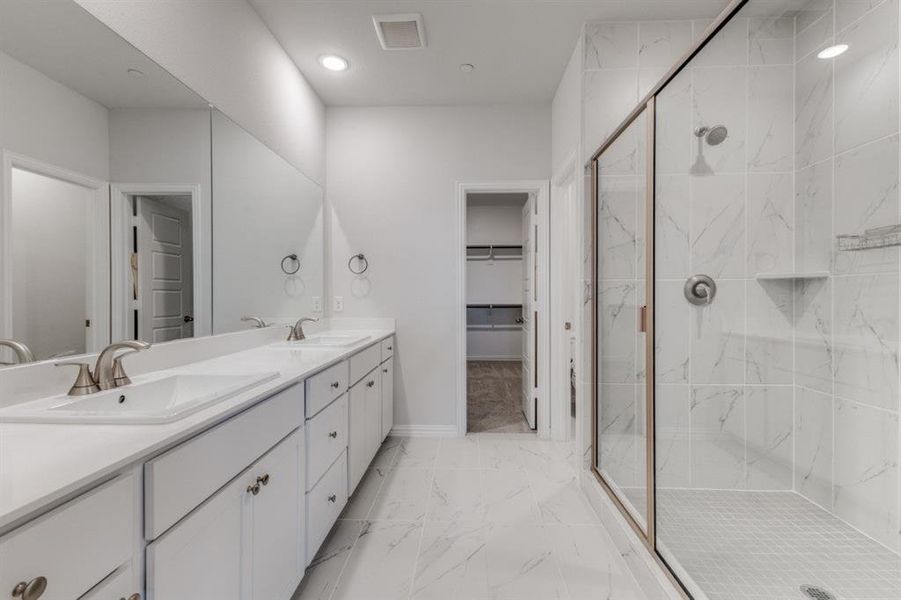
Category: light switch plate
<point>339,303</point>
<point>317,303</point>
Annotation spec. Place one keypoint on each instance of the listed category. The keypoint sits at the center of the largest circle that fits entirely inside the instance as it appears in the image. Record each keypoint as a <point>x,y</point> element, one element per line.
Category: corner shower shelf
<point>791,276</point>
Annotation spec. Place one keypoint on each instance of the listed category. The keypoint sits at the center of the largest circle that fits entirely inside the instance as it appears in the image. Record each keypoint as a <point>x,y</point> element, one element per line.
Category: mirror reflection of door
<point>162,270</point>
<point>52,274</point>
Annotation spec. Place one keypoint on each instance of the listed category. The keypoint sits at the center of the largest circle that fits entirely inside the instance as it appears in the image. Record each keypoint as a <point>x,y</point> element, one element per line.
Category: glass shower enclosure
<point>747,306</point>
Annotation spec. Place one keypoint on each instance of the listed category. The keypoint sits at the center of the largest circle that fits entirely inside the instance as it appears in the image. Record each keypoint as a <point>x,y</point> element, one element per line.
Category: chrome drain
<point>817,593</point>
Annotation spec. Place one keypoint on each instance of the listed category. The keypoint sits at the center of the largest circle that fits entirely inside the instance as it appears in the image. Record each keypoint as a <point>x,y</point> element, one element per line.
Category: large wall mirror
<point>128,208</point>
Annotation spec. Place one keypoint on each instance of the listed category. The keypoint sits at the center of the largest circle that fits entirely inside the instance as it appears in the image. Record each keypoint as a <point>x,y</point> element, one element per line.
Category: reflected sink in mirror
<point>328,341</point>
<point>154,401</point>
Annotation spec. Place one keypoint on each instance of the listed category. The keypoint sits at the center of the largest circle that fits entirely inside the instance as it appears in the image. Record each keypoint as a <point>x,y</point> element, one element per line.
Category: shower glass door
<point>776,394</point>
<point>621,180</point>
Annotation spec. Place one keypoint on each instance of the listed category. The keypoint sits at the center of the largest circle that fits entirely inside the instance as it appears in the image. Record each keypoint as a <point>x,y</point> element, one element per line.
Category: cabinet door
<point>203,556</point>
<point>277,508</point>
<point>119,585</point>
<point>373,414</point>
<point>387,369</point>
<point>357,442</point>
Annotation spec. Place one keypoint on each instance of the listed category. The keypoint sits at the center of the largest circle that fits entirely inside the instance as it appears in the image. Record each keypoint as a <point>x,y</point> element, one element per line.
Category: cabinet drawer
<point>324,503</point>
<point>387,348</point>
<point>75,546</point>
<point>324,387</point>
<point>326,439</point>
<point>363,362</point>
<point>179,480</point>
<point>120,585</point>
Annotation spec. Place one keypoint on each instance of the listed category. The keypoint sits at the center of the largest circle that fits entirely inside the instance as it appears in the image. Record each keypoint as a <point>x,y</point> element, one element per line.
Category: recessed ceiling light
<point>136,72</point>
<point>833,51</point>
<point>467,67</point>
<point>333,62</point>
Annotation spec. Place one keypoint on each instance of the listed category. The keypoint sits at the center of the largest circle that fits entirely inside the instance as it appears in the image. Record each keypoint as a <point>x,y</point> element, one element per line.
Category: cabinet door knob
<point>384,370</point>
<point>132,597</point>
<point>335,384</point>
<point>390,347</point>
<point>31,590</point>
<point>264,479</point>
<point>333,498</point>
<point>333,434</point>
<point>370,383</point>
<point>253,489</point>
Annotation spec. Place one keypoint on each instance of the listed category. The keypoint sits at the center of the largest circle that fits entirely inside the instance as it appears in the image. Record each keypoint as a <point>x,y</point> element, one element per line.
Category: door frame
<point>565,260</point>
<point>121,222</point>
<point>541,190</point>
<point>98,286</point>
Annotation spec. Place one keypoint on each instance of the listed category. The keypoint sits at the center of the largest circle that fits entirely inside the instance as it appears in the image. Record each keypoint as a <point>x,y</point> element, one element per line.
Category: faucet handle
<point>84,382</point>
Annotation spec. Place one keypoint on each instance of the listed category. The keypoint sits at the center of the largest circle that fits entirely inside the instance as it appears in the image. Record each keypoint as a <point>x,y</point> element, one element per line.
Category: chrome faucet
<point>258,322</point>
<point>297,333</point>
<point>23,352</point>
<point>108,372</point>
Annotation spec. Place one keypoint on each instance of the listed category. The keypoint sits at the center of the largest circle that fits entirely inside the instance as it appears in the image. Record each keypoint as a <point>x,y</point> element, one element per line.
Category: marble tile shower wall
<point>847,324</point>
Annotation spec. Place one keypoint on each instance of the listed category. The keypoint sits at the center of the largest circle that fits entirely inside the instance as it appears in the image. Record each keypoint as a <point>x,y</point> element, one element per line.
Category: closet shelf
<point>791,276</point>
<point>493,252</point>
<point>494,306</point>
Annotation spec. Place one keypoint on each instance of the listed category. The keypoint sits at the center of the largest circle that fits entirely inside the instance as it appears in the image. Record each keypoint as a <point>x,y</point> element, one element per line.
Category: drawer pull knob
<point>31,590</point>
<point>333,434</point>
<point>333,498</point>
<point>264,479</point>
<point>390,348</point>
<point>370,383</point>
<point>384,370</point>
<point>335,384</point>
<point>253,489</point>
<point>132,597</point>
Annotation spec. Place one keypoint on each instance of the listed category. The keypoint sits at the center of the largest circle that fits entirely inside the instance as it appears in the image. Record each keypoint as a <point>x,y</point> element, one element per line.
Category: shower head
<point>714,136</point>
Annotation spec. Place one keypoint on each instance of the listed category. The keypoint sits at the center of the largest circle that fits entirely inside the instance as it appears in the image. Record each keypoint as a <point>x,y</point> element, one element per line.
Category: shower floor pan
<point>765,545</point>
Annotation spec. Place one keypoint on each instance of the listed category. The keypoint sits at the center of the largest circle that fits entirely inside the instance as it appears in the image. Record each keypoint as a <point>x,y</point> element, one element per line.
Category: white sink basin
<point>329,341</point>
<point>160,400</point>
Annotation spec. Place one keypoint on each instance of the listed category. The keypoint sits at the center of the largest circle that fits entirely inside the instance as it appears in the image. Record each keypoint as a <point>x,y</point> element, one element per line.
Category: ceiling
<point>519,47</point>
<point>66,43</point>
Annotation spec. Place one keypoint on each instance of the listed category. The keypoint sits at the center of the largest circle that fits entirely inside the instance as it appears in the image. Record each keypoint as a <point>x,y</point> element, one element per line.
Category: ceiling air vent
<point>400,32</point>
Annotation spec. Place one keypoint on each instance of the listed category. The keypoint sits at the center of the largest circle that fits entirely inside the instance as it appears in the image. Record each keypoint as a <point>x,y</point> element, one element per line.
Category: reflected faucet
<point>23,352</point>
<point>108,372</point>
<point>258,322</point>
<point>296,334</point>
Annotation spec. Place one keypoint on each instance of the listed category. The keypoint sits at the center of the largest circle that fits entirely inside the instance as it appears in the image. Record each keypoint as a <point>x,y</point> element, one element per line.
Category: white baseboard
<point>424,431</point>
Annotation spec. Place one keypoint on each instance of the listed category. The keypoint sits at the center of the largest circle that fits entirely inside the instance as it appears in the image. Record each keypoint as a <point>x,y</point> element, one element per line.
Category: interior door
<point>165,279</point>
<point>529,400</point>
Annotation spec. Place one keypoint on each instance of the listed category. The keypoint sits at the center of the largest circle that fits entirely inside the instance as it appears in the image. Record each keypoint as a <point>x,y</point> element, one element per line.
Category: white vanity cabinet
<point>387,399</point>
<point>245,542</point>
<point>365,425</point>
<point>74,547</point>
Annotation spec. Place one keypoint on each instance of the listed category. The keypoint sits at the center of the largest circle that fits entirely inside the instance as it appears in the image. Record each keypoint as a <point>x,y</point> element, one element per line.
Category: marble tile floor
<point>494,397</point>
<point>744,545</point>
<point>481,517</point>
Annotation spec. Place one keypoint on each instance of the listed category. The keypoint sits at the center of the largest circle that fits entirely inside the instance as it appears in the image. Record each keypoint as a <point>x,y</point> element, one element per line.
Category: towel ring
<point>362,258</point>
<point>292,257</point>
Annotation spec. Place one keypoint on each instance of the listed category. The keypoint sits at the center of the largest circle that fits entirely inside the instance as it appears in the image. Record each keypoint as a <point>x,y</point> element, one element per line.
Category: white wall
<point>392,174</point>
<point>50,122</point>
<point>224,52</point>
<point>265,209</point>
<point>50,244</point>
<point>169,147</point>
<point>566,112</point>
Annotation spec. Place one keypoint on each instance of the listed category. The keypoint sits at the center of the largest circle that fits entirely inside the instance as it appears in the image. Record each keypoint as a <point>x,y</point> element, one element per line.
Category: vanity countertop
<point>42,464</point>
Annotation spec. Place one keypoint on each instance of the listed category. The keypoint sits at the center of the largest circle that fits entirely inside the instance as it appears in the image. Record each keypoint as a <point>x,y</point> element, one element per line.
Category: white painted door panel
<point>203,556</point>
<point>277,509</point>
<point>165,264</point>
